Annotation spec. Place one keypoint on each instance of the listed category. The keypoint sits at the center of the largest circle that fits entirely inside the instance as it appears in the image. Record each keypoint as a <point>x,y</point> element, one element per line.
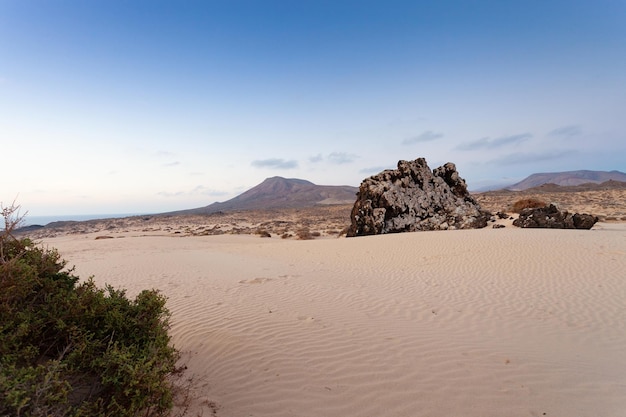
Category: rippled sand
<point>491,322</point>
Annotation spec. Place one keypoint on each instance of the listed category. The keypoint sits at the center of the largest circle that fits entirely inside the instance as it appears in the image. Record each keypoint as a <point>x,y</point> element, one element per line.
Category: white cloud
<point>567,131</point>
<point>275,163</point>
<point>167,154</point>
<point>426,136</point>
<point>199,190</point>
<point>530,157</point>
<point>372,170</point>
<point>341,158</point>
<point>487,143</point>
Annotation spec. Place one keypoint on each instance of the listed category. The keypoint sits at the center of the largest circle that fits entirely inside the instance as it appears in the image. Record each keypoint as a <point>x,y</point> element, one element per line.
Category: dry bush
<point>525,203</point>
<point>305,234</point>
<point>263,233</point>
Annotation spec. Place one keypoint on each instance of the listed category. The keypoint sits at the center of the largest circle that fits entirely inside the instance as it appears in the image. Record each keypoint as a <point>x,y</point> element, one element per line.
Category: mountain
<point>568,178</point>
<point>279,192</point>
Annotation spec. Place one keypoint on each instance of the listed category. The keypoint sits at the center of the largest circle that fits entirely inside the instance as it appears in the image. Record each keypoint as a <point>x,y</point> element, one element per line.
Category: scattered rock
<point>502,215</point>
<point>498,226</point>
<point>104,237</point>
<point>551,217</point>
<point>413,198</point>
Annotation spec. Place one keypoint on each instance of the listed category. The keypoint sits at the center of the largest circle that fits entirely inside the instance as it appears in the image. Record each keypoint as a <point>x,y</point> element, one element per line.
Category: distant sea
<point>44,220</point>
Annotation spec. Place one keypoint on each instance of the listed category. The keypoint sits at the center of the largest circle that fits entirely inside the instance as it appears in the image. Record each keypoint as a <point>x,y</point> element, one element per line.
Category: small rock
<point>502,215</point>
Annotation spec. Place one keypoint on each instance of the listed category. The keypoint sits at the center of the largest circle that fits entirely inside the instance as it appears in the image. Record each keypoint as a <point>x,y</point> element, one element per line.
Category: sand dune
<point>492,322</point>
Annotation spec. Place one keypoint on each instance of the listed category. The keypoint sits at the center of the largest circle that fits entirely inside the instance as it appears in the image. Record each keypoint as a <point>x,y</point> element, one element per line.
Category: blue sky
<point>149,106</point>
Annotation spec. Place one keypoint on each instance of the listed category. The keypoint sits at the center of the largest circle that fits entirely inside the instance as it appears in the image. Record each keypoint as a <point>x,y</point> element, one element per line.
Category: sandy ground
<point>491,322</point>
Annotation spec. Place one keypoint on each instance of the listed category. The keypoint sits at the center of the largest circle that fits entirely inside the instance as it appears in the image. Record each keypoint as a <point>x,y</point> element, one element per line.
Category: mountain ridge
<point>278,192</point>
<point>567,178</point>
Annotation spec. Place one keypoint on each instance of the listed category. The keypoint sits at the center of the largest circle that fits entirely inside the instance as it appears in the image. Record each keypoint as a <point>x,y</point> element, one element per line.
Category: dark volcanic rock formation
<point>550,217</point>
<point>413,198</point>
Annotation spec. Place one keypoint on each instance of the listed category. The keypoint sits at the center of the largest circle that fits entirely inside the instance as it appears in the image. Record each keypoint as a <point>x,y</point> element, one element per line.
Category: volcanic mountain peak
<point>277,186</point>
<point>279,192</point>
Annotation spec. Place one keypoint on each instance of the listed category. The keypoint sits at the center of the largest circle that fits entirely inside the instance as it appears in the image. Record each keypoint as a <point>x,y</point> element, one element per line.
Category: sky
<point>111,106</point>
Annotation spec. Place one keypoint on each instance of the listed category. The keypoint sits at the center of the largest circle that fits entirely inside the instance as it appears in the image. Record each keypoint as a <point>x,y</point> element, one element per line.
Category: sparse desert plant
<point>305,234</point>
<point>525,203</point>
<point>68,348</point>
<point>263,233</point>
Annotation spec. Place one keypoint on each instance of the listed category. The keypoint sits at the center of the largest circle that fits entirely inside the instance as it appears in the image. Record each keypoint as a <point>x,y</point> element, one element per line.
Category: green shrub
<point>68,348</point>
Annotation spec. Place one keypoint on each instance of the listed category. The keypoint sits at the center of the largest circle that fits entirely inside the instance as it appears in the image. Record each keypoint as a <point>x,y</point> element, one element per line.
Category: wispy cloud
<point>426,136</point>
<point>530,157</point>
<point>336,158</point>
<point>488,143</point>
<point>201,189</point>
<point>277,163</point>
<point>167,154</point>
<point>566,131</point>
<point>341,158</point>
<point>198,190</point>
<point>172,164</point>
<point>170,194</point>
<point>373,170</point>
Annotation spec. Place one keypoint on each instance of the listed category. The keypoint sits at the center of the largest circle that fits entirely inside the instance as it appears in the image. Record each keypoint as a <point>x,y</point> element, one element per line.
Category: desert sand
<point>491,322</point>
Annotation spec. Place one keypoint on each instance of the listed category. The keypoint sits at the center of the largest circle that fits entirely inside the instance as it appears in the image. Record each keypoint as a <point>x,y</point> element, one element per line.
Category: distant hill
<point>279,192</point>
<point>569,178</point>
<point>587,186</point>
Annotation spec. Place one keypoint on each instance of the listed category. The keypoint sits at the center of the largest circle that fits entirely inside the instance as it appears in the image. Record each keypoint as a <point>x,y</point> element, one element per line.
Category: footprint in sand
<point>262,280</point>
<point>255,281</point>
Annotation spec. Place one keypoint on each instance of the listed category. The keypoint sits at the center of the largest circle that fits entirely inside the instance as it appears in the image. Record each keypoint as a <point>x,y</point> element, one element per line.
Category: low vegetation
<point>525,203</point>
<point>68,348</point>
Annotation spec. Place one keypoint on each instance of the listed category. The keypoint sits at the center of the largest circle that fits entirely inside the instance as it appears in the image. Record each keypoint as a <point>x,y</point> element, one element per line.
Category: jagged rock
<point>584,221</point>
<point>551,217</point>
<point>502,215</point>
<point>413,198</point>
